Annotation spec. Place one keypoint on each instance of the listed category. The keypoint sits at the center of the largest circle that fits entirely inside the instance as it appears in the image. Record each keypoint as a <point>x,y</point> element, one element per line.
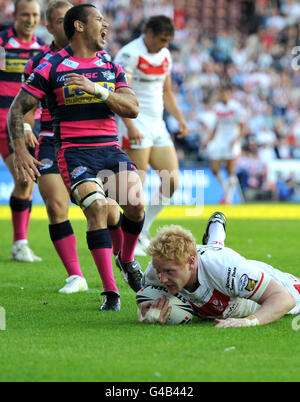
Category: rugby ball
<point>182,311</point>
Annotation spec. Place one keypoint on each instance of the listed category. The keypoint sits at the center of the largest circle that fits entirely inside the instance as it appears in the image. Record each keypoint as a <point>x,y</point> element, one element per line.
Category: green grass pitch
<point>53,337</point>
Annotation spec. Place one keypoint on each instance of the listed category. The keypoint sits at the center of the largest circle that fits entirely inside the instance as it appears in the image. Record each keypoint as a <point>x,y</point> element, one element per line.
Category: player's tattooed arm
<point>25,165</point>
<point>23,103</point>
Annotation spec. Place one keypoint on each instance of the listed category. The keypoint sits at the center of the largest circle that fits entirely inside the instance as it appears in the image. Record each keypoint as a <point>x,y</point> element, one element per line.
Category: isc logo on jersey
<point>74,96</point>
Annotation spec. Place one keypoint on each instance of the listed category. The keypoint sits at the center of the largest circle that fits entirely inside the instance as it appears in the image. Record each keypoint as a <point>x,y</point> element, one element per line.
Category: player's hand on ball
<point>231,322</point>
<point>82,83</point>
<point>162,304</point>
<point>157,312</point>
<point>145,308</point>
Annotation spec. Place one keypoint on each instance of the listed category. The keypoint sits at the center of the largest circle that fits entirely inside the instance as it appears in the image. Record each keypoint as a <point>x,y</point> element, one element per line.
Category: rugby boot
<point>112,301</point>
<point>131,272</point>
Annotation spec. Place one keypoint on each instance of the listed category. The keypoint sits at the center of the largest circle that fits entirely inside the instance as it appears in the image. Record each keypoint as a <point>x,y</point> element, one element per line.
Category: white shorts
<point>222,150</point>
<point>154,131</point>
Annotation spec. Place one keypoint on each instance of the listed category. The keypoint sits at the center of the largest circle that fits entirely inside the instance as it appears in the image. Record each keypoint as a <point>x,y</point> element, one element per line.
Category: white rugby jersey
<point>149,71</point>
<point>228,119</point>
<point>229,285</point>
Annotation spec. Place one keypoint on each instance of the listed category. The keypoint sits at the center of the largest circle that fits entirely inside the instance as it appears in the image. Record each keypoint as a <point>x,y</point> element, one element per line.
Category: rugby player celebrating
<point>82,105</point>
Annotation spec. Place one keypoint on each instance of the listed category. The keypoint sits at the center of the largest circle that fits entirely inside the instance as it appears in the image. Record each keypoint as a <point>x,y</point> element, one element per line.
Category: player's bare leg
<point>20,204</point>
<point>141,158</point>
<point>56,198</point>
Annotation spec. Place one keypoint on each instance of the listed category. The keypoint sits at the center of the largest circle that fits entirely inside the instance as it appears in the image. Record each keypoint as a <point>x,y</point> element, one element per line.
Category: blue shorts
<point>79,163</point>
<point>45,152</point>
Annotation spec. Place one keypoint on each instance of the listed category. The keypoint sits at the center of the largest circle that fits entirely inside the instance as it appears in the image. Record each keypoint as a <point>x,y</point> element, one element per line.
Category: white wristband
<point>27,127</point>
<point>100,90</point>
<point>252,321</point>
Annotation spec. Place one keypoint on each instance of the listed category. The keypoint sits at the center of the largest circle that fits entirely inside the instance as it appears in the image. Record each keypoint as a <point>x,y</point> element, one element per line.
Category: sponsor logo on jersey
<point>251,285</point>
<point>61,78</point>
<point>48,163</point>
<point>74,96</point>
<point>231,275</point>
<point>47,56</point>
<point>109,75</point>
<point>126,55</point>
<point>15,65</point>
<point>70,63</point>
<point>243,282</point>
<point>78,171</point>
<point>41,66</point>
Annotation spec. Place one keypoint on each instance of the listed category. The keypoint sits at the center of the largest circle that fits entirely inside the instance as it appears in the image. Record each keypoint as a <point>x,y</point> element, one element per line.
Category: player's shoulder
<point>134,44</point>
<point>131,49</point>
<point>104,56</point>
<point>213,253</point>
<point>5,35</point>
<point>36,60</point>
<point>166,52</point>
<point>54,60</point>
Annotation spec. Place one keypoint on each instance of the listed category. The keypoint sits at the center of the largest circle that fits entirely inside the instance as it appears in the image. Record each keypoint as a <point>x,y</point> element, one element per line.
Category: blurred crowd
<point>252,44</point>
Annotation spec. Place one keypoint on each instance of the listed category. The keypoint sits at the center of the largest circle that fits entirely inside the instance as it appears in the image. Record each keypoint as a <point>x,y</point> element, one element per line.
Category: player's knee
<point>56,210</point>
<point>97,207</point>
<point>23,188</point>
<point>136,212</point>
<point>89,193</point>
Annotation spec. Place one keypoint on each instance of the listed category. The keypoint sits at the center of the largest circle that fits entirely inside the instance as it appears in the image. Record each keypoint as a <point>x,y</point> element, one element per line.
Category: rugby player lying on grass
<point>219,283</point>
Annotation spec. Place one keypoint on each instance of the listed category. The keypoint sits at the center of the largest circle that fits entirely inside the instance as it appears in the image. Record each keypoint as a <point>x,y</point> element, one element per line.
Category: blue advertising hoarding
<point>197,187</point>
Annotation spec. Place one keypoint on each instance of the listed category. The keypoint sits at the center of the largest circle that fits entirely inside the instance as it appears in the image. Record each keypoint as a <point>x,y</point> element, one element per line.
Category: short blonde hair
<point>54,5</point>
<point>174,243</point>
<point>17,2</point>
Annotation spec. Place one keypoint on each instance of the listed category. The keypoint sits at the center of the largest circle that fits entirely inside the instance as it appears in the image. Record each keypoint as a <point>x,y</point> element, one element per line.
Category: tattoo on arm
<point>22,104</point>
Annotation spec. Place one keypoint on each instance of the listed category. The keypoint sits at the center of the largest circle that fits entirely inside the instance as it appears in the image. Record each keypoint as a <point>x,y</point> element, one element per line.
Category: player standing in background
<point>223,145</point>
<point>51,185</point>
<point>218,282</point>
<point>147,64</point>
<point>20,44</point>
<point>82,105</point>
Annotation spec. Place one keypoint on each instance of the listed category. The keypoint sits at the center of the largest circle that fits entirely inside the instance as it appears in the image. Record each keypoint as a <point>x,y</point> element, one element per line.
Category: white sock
<point>231,186</point>
<point>216,234</point>
<point>157,203</point>
<point>21,242</point>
